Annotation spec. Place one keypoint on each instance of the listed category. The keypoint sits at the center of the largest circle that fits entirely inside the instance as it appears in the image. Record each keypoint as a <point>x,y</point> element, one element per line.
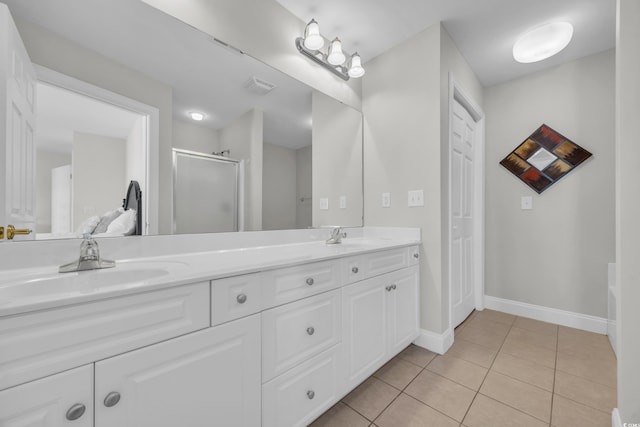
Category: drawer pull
<point>242,298</point>
<point>309,281</point>
<point>416,255</point>
<point>76,411</point>
<point>311,394</point>
<point>354,270</point>
<point>112,399</point>
<point>311,330</point>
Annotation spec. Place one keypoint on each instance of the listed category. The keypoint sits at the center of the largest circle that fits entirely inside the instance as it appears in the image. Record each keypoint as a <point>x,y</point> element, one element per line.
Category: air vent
<point>258,86</point>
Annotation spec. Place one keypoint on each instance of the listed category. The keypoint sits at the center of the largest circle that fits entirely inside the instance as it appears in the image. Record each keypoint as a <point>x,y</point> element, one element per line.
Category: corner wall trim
<point>546,314</point>
<point>615,418</point>
<point>438,343</point>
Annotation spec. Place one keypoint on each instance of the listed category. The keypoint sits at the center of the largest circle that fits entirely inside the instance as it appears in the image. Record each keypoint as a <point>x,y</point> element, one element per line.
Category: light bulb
<point>542,42</point>
<point>196,116</point>
<point>312,38</point>
<point>335,55</point>
<point>356,70</point>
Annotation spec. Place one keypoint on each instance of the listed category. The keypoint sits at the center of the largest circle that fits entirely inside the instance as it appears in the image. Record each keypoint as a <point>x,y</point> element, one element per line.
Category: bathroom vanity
<point>271,335</point>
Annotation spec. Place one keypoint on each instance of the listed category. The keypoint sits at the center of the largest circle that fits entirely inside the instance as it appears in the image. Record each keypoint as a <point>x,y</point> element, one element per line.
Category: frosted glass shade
<point>335,55</point>
<point>356,70</point>
<point>542,42</point>
<point>312,38</point>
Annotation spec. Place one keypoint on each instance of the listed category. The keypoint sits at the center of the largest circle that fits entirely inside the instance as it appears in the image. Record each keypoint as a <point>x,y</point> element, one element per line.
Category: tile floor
<point>501,371</point>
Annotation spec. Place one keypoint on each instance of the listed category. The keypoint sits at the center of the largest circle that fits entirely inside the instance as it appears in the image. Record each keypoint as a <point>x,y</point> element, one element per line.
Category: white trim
<point>152,131</point>
<point>457,93</point>
<point>438,343</point>
<point>616,421</point>
<point>546,314</point>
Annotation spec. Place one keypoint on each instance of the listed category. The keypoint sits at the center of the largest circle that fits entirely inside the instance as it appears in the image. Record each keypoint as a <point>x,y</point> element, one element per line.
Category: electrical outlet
<point>526,203</point>
<point>415,198</point>
<point>343,202</point>
<point>386,200</point>
<point>324,204</point>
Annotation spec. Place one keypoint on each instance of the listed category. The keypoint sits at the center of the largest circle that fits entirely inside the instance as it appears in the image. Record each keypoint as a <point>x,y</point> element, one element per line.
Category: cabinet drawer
<point>289,284</point>
<point>235,297</point>
<point>300,395</point>
<point>42,343</point>
<point>353,269</point>
<point>378,263</point>
<point>294,332</point>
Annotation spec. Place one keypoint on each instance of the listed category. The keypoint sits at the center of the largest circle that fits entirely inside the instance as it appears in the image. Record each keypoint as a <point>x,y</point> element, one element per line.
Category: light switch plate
<point>526,203</point>
<point>386,200</point>
<point>324,204</point>
<point>415,198</point>
<point>343,202</point>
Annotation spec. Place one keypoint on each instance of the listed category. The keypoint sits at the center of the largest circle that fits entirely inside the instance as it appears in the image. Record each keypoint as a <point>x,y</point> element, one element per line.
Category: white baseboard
<point>615,418</point>
<point>546,314</point>
<point>438,343</point>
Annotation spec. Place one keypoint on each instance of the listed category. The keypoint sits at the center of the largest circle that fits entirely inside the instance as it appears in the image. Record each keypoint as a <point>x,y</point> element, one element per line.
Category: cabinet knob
<point>311,394</point>
<point>112,399</point>
<point>354,270</point>
<point>388,288</point>
<point>76,411</point>
<point>311,330</point>
<point>309,281</point>
<point>393,286</point>
<point>416,255</point>
<point>242,298</point>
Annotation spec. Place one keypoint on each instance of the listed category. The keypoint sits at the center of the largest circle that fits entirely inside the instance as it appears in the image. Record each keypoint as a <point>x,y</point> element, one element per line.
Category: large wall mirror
<point>115,85</point>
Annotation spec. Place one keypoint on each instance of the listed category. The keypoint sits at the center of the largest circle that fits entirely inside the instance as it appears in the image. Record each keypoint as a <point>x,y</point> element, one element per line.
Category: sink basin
<point>46,285</point>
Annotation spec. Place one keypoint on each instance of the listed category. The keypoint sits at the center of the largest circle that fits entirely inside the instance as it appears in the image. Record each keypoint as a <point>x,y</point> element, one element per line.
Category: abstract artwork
<point>543,158</point>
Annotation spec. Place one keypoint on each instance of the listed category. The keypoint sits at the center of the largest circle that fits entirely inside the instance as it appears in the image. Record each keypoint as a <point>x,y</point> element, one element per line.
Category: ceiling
<point>483,30</point>
<point>154,44</point>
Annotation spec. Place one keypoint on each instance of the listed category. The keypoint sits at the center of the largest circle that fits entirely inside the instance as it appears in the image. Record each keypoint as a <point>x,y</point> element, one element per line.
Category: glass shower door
<point>205,193</point>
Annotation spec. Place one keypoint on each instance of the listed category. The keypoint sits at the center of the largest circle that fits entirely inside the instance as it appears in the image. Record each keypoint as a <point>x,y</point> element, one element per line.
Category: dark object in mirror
<point>133,200</point>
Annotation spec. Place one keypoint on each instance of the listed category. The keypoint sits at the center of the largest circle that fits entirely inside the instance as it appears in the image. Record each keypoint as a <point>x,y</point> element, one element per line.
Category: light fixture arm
<point>338,70</point>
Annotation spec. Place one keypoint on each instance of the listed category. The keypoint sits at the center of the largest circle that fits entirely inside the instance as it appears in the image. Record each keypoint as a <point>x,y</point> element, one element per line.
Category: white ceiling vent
<point>258,86</point>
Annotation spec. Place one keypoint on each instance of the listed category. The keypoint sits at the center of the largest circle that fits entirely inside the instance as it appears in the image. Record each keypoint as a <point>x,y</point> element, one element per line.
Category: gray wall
<point>337,161</point>
<point>406,148</point>
<point>628,208</point>
<point>555,255</point>
<point>278,187</point>
<point>193,137</point>
<point>45,161</point>
<point>304,162</point>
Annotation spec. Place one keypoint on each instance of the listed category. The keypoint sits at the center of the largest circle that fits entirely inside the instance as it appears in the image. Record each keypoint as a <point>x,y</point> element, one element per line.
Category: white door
<point>207,378</point>
<point>61,190</point>
<point>462,213</point>
<point>61,400</point>
<point>17,197</point>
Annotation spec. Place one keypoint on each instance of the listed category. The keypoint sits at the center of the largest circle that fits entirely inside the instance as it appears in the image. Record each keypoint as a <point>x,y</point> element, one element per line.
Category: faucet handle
<point>89,250</point>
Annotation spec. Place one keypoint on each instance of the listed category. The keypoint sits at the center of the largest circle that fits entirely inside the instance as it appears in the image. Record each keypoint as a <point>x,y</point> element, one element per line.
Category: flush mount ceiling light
<point>335,59</point>
<point>542,42</point>
<point>196,116</point>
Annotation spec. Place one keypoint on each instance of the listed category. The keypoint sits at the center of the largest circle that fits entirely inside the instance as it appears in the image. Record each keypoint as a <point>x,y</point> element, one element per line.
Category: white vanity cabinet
<point>210,377</point>
<point>64,399</point>
<point>379,318</point>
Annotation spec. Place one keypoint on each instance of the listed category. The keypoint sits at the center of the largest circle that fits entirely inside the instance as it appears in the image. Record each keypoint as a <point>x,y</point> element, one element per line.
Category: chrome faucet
<point>89,258</point>
<point>336,236</point>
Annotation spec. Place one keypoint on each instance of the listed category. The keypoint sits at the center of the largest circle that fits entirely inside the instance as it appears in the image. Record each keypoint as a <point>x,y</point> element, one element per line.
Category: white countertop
<point>37,288</point>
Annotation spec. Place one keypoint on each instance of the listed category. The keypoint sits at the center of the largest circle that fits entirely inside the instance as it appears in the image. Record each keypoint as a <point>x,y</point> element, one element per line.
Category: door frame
<point>457,93</point>
<point>152,114</point>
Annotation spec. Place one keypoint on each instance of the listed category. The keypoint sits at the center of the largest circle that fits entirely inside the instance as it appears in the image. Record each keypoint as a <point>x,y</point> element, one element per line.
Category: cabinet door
<point>403,325</point>
<point>364,338</point>
<point>59,400</point>
<point>207,378</point>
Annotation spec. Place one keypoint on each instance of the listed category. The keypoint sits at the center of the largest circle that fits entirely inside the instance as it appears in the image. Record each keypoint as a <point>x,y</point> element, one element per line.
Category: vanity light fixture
<point>196,116</point>
<point>542,42</point>
<point>335,59</point>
